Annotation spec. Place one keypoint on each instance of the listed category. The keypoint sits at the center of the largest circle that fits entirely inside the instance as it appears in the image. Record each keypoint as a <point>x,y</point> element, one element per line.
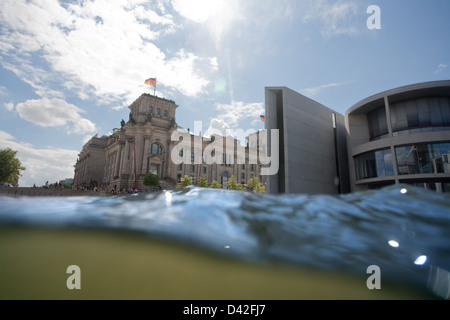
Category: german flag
<point>151,82</point>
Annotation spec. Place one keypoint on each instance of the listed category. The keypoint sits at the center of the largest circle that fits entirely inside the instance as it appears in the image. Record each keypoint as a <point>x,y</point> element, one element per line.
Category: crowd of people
<point>113,190</point>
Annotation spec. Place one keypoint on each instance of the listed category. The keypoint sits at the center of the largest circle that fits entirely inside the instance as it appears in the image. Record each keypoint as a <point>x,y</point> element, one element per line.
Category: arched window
<point>156,148</point>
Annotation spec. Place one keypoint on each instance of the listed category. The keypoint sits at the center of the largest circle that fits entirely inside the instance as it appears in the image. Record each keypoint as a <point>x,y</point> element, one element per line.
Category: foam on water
<point>403,230</point>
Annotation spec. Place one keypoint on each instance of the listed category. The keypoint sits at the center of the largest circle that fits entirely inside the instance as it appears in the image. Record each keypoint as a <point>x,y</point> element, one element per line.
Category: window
<point>192,169</point>
<point>150,109</point>
<point>377,123</point>
<point>423,158</point>
<point>181,153</point>
<point>243,176</point>
<point>158,111</point>
<point>192,156</point>
<point>204,170</point>
<point>155,148</point>
<point>252,167</point>
<point>154,168</point>
<point>374,164</point>
<point>420,114</point>
<point>224,178</point>
<point>243,166</point>
<point>180,167</point>
<point>165,113</point>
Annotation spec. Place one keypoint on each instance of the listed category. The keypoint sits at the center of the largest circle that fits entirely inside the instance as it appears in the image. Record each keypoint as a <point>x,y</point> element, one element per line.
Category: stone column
<point>139,140</point>
<point>118,161</point>
<point>145,155</point>
<point>126,158</point>
<point>168,160</point>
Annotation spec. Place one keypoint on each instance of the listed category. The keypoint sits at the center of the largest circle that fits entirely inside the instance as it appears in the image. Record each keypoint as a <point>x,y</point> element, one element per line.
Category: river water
<point>403,230</point>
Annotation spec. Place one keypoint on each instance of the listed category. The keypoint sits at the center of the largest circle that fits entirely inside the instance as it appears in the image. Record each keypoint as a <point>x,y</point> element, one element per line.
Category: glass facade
<point>409,117</point>
<point>377,123</point>
<point>423,158</point>
<point>374,164</point>
<point>420,115</point>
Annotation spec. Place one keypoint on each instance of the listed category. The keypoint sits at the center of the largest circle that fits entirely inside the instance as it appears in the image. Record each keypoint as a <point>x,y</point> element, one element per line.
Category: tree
<point>202,182</point>
<point>234,185</point>
<point>151,180</point>
<point>185,182</point>
<point>256,186</point>
<point>215,185</point>
<point>10,166</point>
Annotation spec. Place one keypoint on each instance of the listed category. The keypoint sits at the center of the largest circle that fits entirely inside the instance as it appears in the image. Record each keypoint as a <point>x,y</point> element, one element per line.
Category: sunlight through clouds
<point>98,48</point>
<point>199,10</point>
<point>216,14</point>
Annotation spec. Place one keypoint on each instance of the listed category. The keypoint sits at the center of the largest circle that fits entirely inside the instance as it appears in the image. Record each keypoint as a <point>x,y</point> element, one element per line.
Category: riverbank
<point>50,192</point>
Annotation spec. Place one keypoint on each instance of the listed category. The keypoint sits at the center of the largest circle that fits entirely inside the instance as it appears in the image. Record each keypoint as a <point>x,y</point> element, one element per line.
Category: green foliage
<point>151,180</point>
<point>256,186</point>
<point>215,185</point>
<point>234,185</point>
<point>10,166</point>
<point>202,182</point>
<point>67,185</point>
<point>185,182</point>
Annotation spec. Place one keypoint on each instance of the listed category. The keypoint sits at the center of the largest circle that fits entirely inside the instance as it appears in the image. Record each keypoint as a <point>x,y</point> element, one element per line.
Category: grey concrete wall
<point>271,121</point>
<point>309,148</point>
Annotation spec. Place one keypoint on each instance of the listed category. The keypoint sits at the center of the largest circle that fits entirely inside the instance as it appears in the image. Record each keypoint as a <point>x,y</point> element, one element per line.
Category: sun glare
<point>199,10</point>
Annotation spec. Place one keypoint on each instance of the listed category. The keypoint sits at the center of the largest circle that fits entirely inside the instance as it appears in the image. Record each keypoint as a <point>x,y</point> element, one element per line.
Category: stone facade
<point>144,144</point>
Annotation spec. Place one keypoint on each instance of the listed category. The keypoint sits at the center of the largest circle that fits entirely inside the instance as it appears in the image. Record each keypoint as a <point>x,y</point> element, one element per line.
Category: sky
<point>70,69</point>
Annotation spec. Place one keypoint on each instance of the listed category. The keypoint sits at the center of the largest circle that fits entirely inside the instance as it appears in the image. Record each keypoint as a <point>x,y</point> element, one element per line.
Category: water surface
<point>403,230</point>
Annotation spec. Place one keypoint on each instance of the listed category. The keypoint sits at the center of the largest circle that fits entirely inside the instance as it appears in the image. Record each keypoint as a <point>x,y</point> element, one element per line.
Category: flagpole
<point>154,90</point>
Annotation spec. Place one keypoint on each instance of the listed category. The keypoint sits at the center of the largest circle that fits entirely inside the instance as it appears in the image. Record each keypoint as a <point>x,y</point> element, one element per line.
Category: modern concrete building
<point>144,144</point>
<point>401,136</point>
<point>312,153</point>
<point>398,136</point>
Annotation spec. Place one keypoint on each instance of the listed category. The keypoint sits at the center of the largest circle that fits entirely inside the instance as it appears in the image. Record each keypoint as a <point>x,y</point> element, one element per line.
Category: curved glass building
<point>401,136</point>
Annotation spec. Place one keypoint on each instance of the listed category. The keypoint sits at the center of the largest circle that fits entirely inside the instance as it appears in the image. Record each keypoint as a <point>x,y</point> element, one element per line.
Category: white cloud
<point>238,110</point>
<point>104,49</point>
<point>55,113</point>
<point>334,17</point>
<point>311,92</point>
<point>441,68</point>
<point>9,106</point>
<point>41,164</point>
<point>3,91</point>
<point>236,116</point>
